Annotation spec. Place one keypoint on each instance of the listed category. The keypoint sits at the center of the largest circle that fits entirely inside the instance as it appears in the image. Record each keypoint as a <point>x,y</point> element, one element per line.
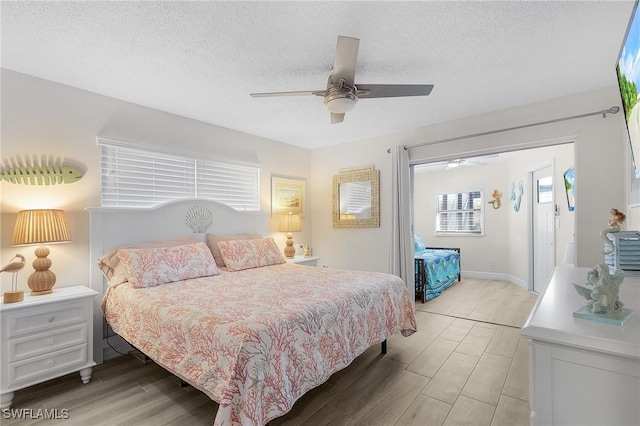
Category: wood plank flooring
<point>463,367</point>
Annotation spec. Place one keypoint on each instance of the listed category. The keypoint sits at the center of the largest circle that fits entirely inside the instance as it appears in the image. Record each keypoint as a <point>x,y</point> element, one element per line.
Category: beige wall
<point>45,119</point>
<point>477,250</point>
<point>503,251</point>
<point>600,151</point>
<point>520,165</point>
<point>40,118</point>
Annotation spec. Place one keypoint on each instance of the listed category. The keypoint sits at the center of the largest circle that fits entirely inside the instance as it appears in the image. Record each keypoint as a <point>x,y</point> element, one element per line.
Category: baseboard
<point>495,276</point>
<point>485,275</point>
<point>115,347</point>
<point>519,282</point>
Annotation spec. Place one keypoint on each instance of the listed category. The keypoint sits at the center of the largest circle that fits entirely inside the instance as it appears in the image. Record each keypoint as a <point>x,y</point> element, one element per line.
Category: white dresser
<point>582,372</point>
<point>44,337</point>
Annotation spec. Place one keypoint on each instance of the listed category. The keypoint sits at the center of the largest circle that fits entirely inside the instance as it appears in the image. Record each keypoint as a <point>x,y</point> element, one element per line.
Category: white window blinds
<point>459,213</point>
<point>139,178</point>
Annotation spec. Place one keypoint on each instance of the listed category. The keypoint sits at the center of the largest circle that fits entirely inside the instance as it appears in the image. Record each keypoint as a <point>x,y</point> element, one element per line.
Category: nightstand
<point>44,337</point>
<point>306,261</point>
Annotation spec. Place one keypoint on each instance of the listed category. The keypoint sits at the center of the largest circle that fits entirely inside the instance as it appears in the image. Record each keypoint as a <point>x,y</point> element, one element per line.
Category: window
<point>459,213</point>
<point>134,177</point>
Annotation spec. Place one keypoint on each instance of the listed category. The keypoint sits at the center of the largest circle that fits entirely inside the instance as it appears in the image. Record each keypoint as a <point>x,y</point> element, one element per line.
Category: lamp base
<point>13,296</point>
<point>289,250</point>
<point>42,280</point>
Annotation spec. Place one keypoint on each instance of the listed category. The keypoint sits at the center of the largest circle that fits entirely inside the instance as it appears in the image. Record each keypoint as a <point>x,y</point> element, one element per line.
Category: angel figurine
<point>602,290</point>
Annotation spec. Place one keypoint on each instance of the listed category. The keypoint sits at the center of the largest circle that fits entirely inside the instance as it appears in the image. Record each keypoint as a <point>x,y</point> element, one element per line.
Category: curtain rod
<point>612,110</point>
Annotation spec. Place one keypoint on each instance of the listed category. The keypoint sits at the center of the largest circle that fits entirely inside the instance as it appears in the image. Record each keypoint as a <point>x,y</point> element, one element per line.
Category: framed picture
<point>288,195</point>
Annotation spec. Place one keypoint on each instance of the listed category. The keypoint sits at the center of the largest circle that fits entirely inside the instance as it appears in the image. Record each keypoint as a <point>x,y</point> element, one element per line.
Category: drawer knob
<point>50,319</point>
<point>51,363</point>
<point>50,342</point>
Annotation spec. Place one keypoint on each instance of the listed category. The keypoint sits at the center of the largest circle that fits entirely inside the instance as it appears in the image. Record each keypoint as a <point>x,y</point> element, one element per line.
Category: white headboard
<point>111,227</point>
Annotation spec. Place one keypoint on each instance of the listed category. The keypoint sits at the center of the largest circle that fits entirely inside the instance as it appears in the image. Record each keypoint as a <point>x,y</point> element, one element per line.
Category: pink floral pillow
<point>245,254</point>
<point>148,267</point>
<point>111,267</point>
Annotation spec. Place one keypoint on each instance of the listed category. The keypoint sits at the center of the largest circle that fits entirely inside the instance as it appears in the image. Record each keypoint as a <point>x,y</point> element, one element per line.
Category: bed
<point>436,269</point>
<point>253,339</point>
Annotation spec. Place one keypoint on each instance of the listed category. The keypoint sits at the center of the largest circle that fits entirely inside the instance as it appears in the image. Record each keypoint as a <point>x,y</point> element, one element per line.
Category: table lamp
<point>290,223</point>
<point>40,227</point>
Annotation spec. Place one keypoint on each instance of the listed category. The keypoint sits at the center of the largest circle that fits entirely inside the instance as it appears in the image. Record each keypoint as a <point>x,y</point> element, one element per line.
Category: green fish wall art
<point>41,175</point>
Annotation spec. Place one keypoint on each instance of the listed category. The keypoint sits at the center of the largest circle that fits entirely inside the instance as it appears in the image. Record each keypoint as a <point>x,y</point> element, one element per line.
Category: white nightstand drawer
<point>27,347</point>
<point>44,337</point>
<point>47,365</point>
<point>44,319</point>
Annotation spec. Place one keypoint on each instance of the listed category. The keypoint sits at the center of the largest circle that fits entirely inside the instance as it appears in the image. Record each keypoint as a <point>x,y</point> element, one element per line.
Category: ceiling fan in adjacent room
<point>341,93</point>
<point>452,164</point>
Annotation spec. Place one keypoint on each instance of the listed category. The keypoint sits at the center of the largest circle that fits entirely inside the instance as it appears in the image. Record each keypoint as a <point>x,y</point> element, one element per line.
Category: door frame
<point>530,198</point>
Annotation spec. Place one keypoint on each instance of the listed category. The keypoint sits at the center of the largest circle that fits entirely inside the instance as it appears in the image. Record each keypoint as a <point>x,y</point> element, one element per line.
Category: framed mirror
<point>356,198</point>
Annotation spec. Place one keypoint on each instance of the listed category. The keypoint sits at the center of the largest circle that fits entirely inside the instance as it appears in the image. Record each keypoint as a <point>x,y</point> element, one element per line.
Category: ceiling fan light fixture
<point>340,105</point>
<point>338,100</point>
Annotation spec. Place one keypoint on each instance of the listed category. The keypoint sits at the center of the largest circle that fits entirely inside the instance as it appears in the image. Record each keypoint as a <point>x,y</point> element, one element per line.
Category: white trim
<point>495,150</point>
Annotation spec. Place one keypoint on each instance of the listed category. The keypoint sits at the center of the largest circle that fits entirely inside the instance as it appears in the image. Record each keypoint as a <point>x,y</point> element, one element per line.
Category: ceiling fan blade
<point>295,93</point>
<point>337,118</point>
<point>393,90</point>
<point>473,163</point>
<point>344,63</point>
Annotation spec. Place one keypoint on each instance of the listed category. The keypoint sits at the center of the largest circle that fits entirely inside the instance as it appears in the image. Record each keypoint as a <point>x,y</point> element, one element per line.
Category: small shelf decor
<point>601,292</point>
<point>14,266</point>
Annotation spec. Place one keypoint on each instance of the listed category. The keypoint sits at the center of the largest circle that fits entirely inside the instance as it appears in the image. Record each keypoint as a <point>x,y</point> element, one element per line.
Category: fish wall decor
<point>41,175</point>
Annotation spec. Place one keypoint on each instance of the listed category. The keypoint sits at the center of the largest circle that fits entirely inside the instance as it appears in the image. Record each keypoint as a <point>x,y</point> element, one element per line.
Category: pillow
<point>148,267</point>
<point>111,267</point>
<point>214,239</point>
<point>418,244</point>
<point>245,254</point>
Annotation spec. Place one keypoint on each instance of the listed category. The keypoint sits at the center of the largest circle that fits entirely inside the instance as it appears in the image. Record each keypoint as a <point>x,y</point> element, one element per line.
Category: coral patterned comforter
<point>256,340</point>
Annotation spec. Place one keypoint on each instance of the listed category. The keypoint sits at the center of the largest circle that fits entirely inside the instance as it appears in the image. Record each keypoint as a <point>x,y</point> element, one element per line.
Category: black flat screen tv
<point>628,69</point>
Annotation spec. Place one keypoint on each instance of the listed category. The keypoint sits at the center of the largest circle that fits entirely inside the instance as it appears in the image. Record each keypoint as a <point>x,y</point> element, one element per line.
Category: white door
<point>544,253</point>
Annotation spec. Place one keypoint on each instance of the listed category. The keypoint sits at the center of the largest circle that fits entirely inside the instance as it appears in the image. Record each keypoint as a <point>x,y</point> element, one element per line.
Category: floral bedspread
<point>256,340</point>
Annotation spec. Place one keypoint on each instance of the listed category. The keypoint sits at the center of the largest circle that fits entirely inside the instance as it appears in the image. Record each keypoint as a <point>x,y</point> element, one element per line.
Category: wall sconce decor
<point>40,227</point>
<point>290,223</point>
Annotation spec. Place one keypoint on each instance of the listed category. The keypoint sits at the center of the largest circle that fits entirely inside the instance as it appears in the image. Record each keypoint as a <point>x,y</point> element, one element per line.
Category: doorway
<point>505,250</point>
<point>543,235</point>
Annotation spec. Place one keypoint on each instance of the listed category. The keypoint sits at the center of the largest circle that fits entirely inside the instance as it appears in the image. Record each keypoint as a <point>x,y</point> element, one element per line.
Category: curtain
<point>401,246</point>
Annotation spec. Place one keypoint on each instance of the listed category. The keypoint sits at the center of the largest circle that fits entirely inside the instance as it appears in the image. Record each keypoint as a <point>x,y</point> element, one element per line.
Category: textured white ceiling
<point>202,59</point>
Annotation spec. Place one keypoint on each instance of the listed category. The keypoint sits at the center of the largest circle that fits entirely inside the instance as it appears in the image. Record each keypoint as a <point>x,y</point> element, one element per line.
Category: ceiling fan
<point>452,164</point>
<point>341,93</point>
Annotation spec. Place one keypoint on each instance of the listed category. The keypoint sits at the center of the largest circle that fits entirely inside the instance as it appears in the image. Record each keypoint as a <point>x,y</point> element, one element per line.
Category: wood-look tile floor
<point>462,367</point>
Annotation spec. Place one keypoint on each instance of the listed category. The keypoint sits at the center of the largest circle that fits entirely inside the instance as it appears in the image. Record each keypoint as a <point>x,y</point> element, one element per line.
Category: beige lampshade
<point>40,227</point>
<point>290,223</point>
